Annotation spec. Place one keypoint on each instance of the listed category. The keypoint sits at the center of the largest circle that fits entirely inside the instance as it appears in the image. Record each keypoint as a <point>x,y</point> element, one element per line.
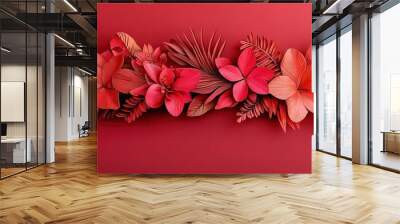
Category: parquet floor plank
<point>70,191</point>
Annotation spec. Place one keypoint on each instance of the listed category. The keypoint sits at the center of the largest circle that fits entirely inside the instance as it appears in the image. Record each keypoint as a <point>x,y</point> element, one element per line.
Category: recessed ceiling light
<point>70,5</point>
<point>84,71</point>
<point>64,40</point>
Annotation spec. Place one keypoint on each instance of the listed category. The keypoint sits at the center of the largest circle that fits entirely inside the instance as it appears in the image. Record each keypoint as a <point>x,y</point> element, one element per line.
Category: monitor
<point>3,129</point>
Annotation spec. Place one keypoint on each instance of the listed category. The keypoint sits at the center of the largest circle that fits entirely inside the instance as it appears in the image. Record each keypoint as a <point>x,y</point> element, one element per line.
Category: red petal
<point>258,80</point>
<point>296,109</point>
<point>293,64</point>
<point>246,61</point>
<point>186,79</point>
<point>308,100</point>
<point>221,62</point>
<point>174,103</point>
<point>225,100</point>
<point>167,77</point>
<point>309,55</point>
<point>139,91</point>
<point>240,91</point>
<point>153,71</point>
<point>231,73</point>
<point>125,80</point>
<point>186,97</point>
<point>107,99</point>
<point>282,87</point>
<point>305,83</point>
<point>109,67</point>
<point>154,96</point>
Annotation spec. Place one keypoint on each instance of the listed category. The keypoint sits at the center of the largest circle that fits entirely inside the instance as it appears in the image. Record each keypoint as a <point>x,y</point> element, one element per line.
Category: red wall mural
<point>255,118</point>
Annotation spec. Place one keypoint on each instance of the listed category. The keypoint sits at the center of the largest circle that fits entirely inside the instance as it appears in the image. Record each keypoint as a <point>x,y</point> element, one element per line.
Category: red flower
<point>246,75</point>
<point>294,85</point>
<point>170,86</point>
<point>107,65</point>
<point>149,54</point>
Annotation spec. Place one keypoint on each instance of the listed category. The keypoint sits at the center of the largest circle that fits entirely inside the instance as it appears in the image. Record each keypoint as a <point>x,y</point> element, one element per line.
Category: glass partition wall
<point>22,77</point>
<point>385,89</point>
<point>334,94</point>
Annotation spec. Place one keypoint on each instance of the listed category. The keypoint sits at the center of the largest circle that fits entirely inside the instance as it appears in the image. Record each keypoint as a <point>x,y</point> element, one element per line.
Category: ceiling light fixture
<point>84,71</point>
<point>70,5</point>
<point>64,40</point>
<point>337,7</point>
<point>5,50</point>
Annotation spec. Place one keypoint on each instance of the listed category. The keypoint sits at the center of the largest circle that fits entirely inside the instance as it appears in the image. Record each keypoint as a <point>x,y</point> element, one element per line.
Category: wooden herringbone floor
<point>70,191</point>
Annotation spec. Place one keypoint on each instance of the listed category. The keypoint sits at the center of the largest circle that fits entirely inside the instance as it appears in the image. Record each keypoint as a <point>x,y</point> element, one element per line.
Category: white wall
<point>71,102</point>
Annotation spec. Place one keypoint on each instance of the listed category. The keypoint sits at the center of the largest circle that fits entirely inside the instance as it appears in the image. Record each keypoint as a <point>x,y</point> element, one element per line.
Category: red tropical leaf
<point>126,80</point>
<point>129,42</point>
<point>209,83</point>
<point>250,110</point>
<point>198,106</point>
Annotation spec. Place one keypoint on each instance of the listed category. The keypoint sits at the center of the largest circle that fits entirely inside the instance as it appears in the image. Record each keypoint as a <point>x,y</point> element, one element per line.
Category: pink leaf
<point>240,91</point>
<point>125,80</point>
<point>198,106</point>
<point>246,61</point>
<point>296,109</point>
<point>221,62</point>
<point>258,80</point>
<point>152,70</point>
<point>225,100</point>
<point>155,96</point>
<point>231,73</point>
<point>174,103</point>
<point>282,87</point>
<point>293,64</point>
<point>186,79</point>
<point>107,99</point>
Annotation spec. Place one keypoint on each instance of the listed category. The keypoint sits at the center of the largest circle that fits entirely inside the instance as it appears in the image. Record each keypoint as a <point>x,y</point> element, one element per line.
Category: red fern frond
<point>133,108</point>
<point>250,109</point>
<point>266,52</point>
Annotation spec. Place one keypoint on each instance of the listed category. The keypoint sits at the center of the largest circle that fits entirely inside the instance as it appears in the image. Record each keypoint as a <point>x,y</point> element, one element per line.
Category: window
<point>326,136</point>
<point>385,89</point>
<point>345,92</point>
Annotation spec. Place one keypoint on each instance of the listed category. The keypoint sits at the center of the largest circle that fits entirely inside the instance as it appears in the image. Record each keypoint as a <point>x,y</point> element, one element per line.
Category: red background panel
<point>213,143</point>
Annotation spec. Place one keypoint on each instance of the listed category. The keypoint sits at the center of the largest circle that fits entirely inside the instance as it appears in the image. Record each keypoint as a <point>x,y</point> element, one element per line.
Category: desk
<point>391,141</point>
<point>13,150</point>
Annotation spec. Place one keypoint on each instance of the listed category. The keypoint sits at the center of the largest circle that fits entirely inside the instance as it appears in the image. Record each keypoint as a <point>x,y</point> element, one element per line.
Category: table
<point>13,150</point>
<point>391,141</point>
